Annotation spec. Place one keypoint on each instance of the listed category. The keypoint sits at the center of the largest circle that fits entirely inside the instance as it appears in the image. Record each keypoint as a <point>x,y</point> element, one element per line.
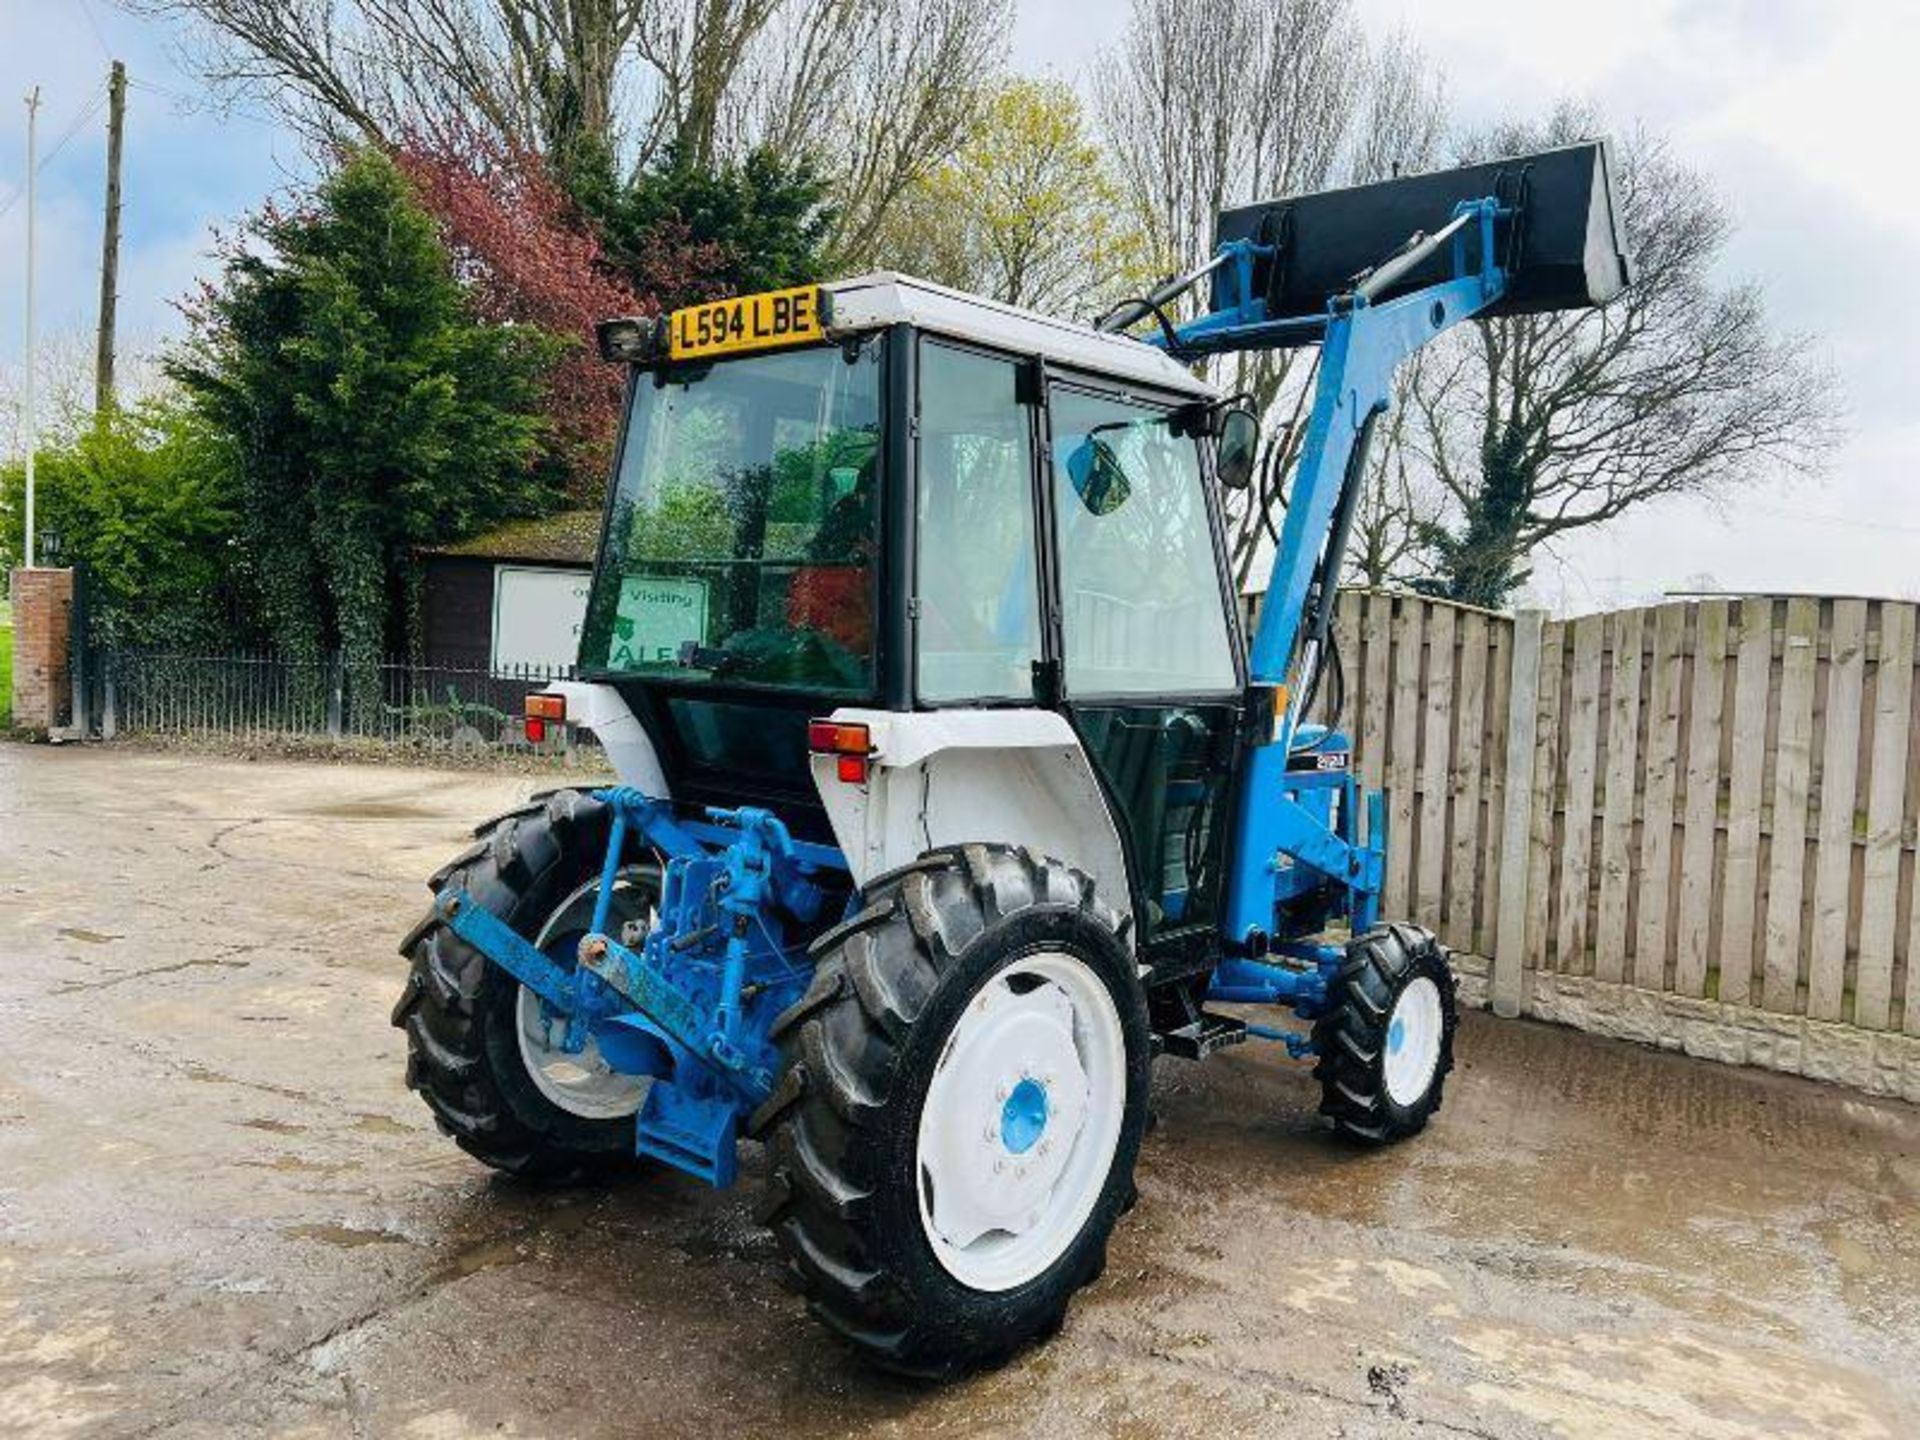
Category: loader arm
<point>1515,236</point>
<point>1296,832</point>
<point>1362,341</point>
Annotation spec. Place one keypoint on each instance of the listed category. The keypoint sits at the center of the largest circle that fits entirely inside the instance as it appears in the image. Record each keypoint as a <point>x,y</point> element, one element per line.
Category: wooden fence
<point>1693,823</point>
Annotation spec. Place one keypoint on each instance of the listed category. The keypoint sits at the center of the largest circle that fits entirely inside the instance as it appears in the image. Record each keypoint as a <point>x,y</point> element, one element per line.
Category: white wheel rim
<point>581,1084</point>
<point>1414,1030</point>
<point>1021,1121</point>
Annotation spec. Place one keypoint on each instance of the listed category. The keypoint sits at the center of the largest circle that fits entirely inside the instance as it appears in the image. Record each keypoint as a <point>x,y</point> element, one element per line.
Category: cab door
<point>1148,644</point>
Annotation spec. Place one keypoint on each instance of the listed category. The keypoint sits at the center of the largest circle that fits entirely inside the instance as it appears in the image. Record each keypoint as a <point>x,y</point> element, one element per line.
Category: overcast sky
<point>1795,108</point>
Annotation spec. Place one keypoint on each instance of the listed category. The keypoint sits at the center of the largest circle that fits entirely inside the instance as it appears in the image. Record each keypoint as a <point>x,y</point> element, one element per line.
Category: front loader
<point>950,792</point>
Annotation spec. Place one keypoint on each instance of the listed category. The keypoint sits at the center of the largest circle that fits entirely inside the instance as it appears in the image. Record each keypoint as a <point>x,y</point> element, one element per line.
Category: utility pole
<point>110,247</point>
<point>30,421</point>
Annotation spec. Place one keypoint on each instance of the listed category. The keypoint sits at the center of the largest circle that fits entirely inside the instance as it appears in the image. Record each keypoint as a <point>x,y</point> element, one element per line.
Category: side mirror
<point>1237,450</point>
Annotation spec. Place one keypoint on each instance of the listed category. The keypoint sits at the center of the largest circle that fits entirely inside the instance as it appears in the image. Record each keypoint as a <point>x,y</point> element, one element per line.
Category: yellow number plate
<point>751,322</point>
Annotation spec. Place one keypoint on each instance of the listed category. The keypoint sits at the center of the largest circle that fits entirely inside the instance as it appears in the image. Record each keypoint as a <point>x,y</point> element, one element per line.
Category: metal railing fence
<point>248,698</point>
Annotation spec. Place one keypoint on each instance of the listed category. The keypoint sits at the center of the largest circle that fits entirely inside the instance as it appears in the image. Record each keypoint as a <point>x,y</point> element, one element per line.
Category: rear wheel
<point>482,1051</point>
<point>962,1102</point>
<point>1386,1042</point>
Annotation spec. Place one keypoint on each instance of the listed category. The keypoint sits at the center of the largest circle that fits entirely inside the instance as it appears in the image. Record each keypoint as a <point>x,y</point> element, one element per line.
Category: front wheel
<point>961,1106</point>
<point>1386,1041</point>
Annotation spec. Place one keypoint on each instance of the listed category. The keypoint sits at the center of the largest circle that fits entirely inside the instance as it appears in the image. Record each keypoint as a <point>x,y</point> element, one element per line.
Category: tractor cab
<point>882,495</point>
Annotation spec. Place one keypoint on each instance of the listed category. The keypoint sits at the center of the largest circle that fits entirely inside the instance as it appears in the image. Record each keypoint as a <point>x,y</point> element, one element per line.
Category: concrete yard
<point>221,1212</point>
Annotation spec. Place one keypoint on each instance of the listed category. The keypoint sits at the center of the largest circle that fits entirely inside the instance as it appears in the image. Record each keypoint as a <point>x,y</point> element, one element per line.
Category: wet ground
<point>222,1213</point>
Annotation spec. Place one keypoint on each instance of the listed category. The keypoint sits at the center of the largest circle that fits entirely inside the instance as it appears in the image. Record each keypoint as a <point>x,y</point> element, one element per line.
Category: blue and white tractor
<point>950,791</point>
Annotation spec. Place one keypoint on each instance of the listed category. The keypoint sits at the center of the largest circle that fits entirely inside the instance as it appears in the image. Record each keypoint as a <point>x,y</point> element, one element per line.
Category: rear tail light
<point>544,710</point>
<point>850,745</point>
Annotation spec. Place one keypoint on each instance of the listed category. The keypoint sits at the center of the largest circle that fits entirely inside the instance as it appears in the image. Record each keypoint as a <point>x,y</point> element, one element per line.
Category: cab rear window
<point>744,526</point>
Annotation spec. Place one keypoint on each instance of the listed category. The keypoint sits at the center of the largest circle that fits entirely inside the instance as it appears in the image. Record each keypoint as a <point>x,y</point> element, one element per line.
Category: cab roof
<point>868,302</point>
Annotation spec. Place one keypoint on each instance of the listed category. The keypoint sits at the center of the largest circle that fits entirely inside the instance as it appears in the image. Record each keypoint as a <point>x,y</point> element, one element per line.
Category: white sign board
<point>537,614</point>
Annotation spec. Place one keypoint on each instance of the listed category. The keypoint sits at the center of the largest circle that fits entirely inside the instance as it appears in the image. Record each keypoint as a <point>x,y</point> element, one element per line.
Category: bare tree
<point>537,72</point>
<point>64,388</point>
<point>1207,107</point>
<point>1540,424</point>
<point>1401,119</point>
<point>902,108</point>
<point>1215,105</point>
<point>874,92</point>
<point>697,51</point>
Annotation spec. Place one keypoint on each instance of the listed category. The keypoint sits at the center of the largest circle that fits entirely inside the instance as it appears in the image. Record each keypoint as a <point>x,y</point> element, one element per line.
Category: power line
<point>79,121</point>
<point>198,103</point>
<point>140,84</point>
<point>90,108</point>
<point>86,9</point>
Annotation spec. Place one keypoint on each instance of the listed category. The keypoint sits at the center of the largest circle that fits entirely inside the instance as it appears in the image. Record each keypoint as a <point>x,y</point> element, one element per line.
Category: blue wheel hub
<point>1024,1117</point>
<point>1396,1036</point>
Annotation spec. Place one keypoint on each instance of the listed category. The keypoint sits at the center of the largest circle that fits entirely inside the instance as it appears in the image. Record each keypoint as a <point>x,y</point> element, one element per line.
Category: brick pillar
<point>42,626</point>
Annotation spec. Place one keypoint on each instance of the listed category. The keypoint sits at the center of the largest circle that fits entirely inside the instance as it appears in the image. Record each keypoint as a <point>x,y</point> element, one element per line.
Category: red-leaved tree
<point>525,257</point>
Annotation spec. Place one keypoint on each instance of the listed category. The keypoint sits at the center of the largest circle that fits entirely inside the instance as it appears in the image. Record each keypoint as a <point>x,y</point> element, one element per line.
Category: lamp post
<point>30,421</point>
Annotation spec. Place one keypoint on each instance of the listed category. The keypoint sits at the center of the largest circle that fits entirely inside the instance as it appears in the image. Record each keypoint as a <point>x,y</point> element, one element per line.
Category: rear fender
<point>946,777</point>
<point>600,709</point>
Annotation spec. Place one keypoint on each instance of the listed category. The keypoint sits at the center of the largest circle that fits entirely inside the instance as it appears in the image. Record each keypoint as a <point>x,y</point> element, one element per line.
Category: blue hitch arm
<point>691,1001</point>
<point>611,980</point>
<point>500,942</point>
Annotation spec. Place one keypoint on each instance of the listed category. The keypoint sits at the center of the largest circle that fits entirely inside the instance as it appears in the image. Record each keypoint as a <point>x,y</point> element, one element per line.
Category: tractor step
<point>1200,1038</point>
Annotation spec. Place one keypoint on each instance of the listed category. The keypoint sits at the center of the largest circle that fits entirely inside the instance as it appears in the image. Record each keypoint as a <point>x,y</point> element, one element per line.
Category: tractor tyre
<point>1386,1041</point>
<point>960,1107</point>
<point>480,1051</point>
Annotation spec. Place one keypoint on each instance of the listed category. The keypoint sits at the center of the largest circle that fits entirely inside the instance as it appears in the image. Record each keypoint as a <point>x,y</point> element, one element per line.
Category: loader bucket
<point>1562,248</point>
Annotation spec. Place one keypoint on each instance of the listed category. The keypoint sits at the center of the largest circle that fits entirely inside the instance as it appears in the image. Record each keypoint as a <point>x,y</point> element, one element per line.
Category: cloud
<point>1780,29</point>
<point>1784,105</point>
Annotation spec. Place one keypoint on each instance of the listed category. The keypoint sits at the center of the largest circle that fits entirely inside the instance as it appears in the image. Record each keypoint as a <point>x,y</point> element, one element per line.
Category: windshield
<point>743,528</point>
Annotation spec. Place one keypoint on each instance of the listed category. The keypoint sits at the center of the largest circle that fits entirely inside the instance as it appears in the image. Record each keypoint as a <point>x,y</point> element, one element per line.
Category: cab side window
<point>1142,608</point>
<point>979,593</point>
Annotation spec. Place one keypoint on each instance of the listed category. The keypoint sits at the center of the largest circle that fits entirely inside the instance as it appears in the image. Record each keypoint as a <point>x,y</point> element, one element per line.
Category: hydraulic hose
<point>1326,582</point>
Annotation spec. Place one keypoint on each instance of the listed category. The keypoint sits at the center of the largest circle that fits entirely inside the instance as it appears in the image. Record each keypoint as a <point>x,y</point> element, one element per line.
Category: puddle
<point>88,937</point>
<point>1672,1383</point>
<point>123,976</point>
<point>293,1165</point>
<point>490,1256</point>
<point>275,1127</point>
<point>347,1237</point>
<point>241,1285</point>
<point>370,810</point>
<point>380,1125</point>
